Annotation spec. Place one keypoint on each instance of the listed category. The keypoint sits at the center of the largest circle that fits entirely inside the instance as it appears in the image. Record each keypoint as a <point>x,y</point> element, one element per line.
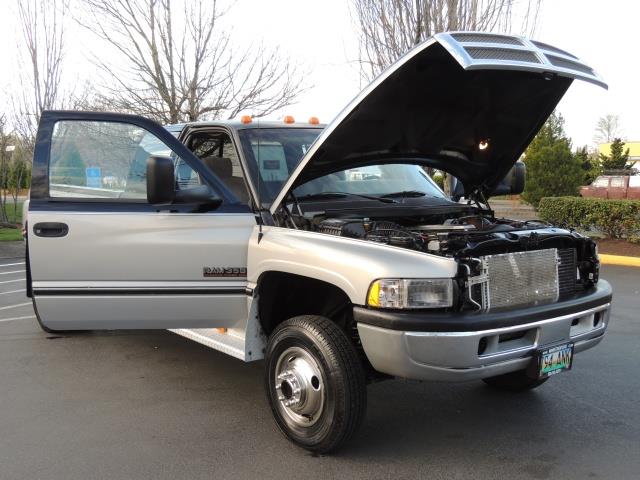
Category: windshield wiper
<point>321,195</point>
<point>404,193</point>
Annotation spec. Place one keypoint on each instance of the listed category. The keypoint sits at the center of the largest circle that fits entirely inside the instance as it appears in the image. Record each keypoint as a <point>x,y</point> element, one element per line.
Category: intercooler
<point>522,279</point>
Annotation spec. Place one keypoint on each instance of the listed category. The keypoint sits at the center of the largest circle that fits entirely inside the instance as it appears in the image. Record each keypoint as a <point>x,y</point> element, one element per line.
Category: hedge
<point>614,218</point>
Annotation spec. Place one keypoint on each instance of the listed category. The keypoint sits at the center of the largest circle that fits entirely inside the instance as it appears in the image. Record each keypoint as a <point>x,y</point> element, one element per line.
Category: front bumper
<point>479,345</point>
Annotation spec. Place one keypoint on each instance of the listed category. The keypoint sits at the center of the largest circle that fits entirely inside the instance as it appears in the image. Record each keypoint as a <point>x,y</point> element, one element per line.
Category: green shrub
<point>614,218</point>
<point>67,166</point>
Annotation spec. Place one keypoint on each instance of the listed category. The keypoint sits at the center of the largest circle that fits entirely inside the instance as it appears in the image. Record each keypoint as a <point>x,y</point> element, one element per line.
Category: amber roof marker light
<point>314,121</point>
<point>246,119</point>
<point>288,119</point>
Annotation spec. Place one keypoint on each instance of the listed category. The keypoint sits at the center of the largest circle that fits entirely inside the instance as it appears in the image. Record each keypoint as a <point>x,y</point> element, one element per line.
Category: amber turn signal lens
<point>246,119</point>
<point>288,119</point>
<point>314,121</point>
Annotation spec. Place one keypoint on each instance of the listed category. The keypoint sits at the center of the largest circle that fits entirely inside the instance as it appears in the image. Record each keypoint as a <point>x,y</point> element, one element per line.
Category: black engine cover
<point>343,227</point>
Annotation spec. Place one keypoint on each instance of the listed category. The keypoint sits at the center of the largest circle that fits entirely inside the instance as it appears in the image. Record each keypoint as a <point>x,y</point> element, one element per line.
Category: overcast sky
<point>320,35</point>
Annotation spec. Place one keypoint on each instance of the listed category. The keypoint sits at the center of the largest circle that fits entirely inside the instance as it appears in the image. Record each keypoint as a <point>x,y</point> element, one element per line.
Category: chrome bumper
<point>459,356</point>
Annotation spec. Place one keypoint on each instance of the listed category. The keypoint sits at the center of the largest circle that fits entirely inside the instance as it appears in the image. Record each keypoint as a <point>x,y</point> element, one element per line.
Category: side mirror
<point>161,181</point>
<point>161,187</point>
<point>513,182</point>
<point>519,178</point>
<point>454,187</point>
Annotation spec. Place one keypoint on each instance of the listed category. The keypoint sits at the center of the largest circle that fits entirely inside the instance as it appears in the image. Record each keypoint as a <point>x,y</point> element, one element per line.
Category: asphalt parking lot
<point>136,404</point>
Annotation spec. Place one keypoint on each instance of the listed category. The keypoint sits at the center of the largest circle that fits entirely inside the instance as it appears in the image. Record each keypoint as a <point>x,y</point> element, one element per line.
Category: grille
<point>480,38</point>
<point>564,63</point>
<point>567,272</point>
<point>482,53</point>
<point>519,279</point>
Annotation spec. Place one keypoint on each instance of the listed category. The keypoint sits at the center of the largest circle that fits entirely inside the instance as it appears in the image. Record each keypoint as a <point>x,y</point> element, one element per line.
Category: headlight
<point>411,293</point>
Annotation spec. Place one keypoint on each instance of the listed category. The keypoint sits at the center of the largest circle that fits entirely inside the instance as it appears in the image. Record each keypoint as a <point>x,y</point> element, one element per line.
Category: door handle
<point>50,229</point>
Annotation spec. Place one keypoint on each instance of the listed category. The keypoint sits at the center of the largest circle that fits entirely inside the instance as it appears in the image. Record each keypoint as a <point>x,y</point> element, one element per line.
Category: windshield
<point>273,153</point>
<point>378,180</point>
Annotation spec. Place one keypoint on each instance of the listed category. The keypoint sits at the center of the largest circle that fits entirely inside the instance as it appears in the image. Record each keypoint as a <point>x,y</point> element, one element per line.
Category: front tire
<point>514,381</point>
<point>315,383</point>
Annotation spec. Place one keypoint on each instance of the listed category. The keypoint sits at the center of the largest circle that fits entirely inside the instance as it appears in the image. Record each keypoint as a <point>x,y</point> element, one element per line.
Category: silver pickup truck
<point>329,252</point>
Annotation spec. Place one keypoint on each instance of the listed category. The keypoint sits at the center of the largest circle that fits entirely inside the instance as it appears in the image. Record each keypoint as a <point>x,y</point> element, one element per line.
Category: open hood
<point>467,103</point>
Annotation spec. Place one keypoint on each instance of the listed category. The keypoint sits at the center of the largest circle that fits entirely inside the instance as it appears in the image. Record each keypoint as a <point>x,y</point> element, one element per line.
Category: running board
<point>246,341</point>
<point>223,342</point>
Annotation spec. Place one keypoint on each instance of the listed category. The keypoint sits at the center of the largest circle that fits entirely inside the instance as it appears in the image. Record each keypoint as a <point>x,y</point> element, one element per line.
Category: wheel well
<point>285,295</point>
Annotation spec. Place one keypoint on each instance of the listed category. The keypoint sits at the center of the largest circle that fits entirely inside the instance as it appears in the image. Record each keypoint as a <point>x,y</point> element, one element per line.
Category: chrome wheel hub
<point>299,386</point>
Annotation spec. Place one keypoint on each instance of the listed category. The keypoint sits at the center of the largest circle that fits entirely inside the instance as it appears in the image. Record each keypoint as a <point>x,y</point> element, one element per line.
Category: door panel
<point>122,263</point>
<point>135,247</point>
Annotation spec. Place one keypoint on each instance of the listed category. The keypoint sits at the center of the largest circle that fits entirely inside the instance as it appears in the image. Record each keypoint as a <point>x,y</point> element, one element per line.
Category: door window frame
<point>190,130</point>
<point>40,198</point>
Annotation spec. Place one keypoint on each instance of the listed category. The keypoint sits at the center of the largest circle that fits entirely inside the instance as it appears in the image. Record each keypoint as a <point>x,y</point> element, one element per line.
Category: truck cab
<point>328,251</point>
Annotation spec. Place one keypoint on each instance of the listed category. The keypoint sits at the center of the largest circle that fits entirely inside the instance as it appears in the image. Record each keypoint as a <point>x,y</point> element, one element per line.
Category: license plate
<point>553,360</point>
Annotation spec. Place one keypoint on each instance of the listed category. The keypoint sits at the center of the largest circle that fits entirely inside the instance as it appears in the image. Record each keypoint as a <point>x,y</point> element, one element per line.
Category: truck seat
<point>223,168</point>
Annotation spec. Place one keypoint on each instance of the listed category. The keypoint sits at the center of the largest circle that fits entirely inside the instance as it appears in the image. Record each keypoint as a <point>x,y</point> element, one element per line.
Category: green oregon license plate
<point>556,359</point>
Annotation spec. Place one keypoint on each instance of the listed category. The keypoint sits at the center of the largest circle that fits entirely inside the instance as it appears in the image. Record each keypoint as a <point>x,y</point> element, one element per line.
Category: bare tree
<point>389,28</point>
<point>41,49</point>
<point>5,153</point>
<point>175,64</point>
<point>607,129</point>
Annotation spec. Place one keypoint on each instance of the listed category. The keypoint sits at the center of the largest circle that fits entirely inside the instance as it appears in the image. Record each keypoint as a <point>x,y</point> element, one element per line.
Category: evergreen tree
<point>589,163</point>
<point>617,158</point>
<point>552,169</point>
<point>69,169</point>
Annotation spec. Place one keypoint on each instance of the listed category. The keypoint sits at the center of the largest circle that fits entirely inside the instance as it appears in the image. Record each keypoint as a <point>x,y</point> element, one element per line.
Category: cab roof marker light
<point>314,120</point>
<point>246,119</point>
<point>288,119</point>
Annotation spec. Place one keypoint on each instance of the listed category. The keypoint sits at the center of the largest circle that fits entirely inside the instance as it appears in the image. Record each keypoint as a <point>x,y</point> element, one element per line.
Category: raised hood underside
<point>436,104</point>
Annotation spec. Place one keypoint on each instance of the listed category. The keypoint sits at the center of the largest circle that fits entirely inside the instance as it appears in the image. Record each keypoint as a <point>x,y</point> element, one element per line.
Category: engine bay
<point>465,237</point>
<point>468,235</point>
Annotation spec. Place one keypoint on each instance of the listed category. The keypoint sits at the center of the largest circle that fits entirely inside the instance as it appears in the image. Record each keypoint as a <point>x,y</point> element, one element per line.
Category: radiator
<point>519,279</point>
